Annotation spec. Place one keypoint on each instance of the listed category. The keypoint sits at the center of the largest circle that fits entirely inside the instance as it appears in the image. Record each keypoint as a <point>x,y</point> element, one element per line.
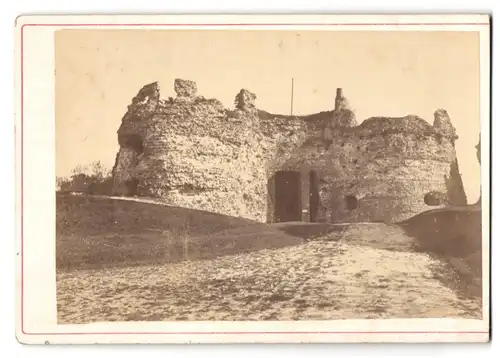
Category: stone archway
<point>288,196</point>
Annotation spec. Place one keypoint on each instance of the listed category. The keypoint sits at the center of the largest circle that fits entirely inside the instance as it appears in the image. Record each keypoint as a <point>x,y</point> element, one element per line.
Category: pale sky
<point>393,74</point>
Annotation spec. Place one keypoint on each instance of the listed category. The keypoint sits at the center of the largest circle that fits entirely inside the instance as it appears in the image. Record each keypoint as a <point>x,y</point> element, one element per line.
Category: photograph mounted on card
<point>253,178</point>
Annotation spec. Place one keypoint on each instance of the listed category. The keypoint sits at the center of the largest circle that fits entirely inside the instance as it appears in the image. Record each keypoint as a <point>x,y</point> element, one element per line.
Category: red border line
<point>22,183</point>
<point>256,332</point>
<point>277,24</point>
<point>200,333</point>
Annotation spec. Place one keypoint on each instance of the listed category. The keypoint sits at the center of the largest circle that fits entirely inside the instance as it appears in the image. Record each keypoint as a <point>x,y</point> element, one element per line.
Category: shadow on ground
<point>454,236</point>
<point>309,231</point>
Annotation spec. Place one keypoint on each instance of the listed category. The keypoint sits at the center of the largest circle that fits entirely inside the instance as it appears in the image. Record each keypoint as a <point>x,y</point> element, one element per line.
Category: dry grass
<point>97,233</point>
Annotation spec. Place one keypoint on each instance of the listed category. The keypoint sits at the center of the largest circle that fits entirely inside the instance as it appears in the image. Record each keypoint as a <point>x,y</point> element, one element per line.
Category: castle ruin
<point>193,152</point>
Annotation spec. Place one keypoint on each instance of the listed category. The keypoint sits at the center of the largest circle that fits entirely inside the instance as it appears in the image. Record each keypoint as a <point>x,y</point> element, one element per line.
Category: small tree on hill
<point>90,179</point>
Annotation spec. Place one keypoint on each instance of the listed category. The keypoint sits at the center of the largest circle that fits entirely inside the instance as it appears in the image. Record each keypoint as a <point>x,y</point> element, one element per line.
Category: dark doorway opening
<point>313,195</point>
<point>288,199</point>
<point>351,202</point>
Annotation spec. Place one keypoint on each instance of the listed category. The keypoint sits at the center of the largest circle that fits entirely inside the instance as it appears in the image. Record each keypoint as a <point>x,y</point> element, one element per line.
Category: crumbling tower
<point>192,152</point>
<point>343,115</point>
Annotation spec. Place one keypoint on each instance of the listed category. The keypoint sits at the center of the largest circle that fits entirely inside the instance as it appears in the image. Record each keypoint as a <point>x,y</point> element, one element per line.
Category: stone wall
<point>193,152</point>
<point>197,154</point>
<point>381,170</point>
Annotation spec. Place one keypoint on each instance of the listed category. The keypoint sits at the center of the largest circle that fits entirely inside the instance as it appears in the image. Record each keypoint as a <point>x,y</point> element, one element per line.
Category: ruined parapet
<point>193,152</point>
<point>343,115</point>
<point>144,103</point>
<point>134,122</point>
<point>341,102</point>
<point>443,126</point>
<point>186,90</point>
<point>444,129</point>
<point>245,100</point>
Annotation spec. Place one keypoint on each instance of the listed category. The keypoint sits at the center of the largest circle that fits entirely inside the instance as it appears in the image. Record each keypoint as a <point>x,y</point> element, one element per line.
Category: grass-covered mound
<point>453,234</point>
<point>96,232</point>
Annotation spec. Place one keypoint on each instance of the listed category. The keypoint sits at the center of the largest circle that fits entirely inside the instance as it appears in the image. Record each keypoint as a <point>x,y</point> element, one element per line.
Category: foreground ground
<point>319,280</point>
<point>234,269</point>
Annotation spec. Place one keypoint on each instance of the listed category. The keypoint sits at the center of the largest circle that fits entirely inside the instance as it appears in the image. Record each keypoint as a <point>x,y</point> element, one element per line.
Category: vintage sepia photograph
<point>313,192</point>
<point>266,175</point>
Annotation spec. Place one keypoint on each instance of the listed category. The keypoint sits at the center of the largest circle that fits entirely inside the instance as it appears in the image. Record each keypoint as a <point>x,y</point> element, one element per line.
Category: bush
<point>92,179</point>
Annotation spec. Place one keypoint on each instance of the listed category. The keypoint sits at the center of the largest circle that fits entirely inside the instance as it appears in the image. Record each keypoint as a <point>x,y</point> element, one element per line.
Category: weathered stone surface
<point>185,88</point>
<point>245,100</point>
<point>435,198</point>
<point>200,155</point>
<point>124,172</point>
<point>146,100</point>
<point>442,124</point>
<point>343,115</point>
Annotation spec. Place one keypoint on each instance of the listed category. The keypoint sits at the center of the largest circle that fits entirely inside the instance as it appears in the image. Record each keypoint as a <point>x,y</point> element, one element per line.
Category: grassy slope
<point>96,232</point>
<point>354,271</point>
<point>453,235</point>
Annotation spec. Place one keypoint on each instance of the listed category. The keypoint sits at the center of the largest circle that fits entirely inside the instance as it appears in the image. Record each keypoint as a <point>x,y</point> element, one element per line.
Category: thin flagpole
<point>291,104</point>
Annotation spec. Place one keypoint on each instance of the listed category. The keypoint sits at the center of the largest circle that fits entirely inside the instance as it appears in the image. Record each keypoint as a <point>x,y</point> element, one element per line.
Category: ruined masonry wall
<point>194,153</point>
<point>388,174</point>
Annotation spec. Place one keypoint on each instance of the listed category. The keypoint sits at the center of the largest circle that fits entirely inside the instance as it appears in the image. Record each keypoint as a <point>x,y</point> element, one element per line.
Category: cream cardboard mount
<point>219,220</point>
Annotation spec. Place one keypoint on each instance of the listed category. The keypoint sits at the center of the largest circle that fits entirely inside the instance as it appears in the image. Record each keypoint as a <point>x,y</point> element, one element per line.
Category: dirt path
<point>318,280</point>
